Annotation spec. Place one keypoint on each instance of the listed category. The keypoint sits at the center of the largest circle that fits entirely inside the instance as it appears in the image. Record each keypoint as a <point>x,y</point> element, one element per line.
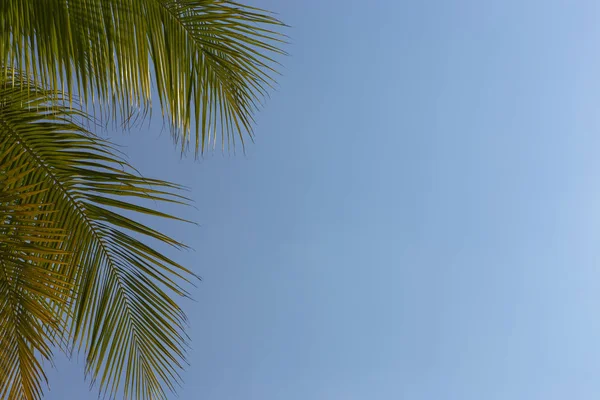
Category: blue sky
<point>418,219</point>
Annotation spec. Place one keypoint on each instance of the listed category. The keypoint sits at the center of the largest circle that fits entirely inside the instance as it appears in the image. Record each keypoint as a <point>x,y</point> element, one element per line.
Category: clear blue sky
<point>418,219</point>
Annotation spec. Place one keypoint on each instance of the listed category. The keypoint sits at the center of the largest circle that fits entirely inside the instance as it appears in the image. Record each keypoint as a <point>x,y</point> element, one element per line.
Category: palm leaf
<point>30,288</point>
<point>212,60</point>
<point>117,297</point>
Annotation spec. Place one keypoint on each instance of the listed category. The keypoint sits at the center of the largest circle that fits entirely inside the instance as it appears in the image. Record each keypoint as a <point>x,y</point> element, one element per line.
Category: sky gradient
<point>418,219</point>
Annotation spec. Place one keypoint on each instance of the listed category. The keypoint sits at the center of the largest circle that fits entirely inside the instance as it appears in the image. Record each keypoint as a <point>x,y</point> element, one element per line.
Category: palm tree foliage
<point>210,60</point>
<point>73,266</point>
<point>78,271</point>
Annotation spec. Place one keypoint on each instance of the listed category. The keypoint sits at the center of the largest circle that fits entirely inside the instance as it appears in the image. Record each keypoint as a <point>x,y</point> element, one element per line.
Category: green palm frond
<point>30,288</point>
<point>77,257</point>
<point>212,60</point>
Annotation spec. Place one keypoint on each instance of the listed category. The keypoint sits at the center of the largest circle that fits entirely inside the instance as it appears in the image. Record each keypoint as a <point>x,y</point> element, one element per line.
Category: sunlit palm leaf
<point>31,290</point>
<point>211,60</point>
<point>120,311</point>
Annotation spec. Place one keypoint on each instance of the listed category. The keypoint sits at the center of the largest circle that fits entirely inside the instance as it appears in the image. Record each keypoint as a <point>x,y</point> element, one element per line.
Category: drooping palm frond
<point>95,274</point>
<point>212,60</point>
<point>30,288</point>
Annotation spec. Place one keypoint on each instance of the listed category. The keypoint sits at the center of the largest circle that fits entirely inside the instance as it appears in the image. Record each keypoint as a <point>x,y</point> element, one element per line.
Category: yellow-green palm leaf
<point>211,60</point>
<point>74,266</point>
<point>31,285</point>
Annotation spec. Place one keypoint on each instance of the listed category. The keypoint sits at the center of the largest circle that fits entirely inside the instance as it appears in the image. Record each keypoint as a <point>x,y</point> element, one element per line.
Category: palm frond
<point>120,309</point>
<point>31,290</point>
<point>212,60</point>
